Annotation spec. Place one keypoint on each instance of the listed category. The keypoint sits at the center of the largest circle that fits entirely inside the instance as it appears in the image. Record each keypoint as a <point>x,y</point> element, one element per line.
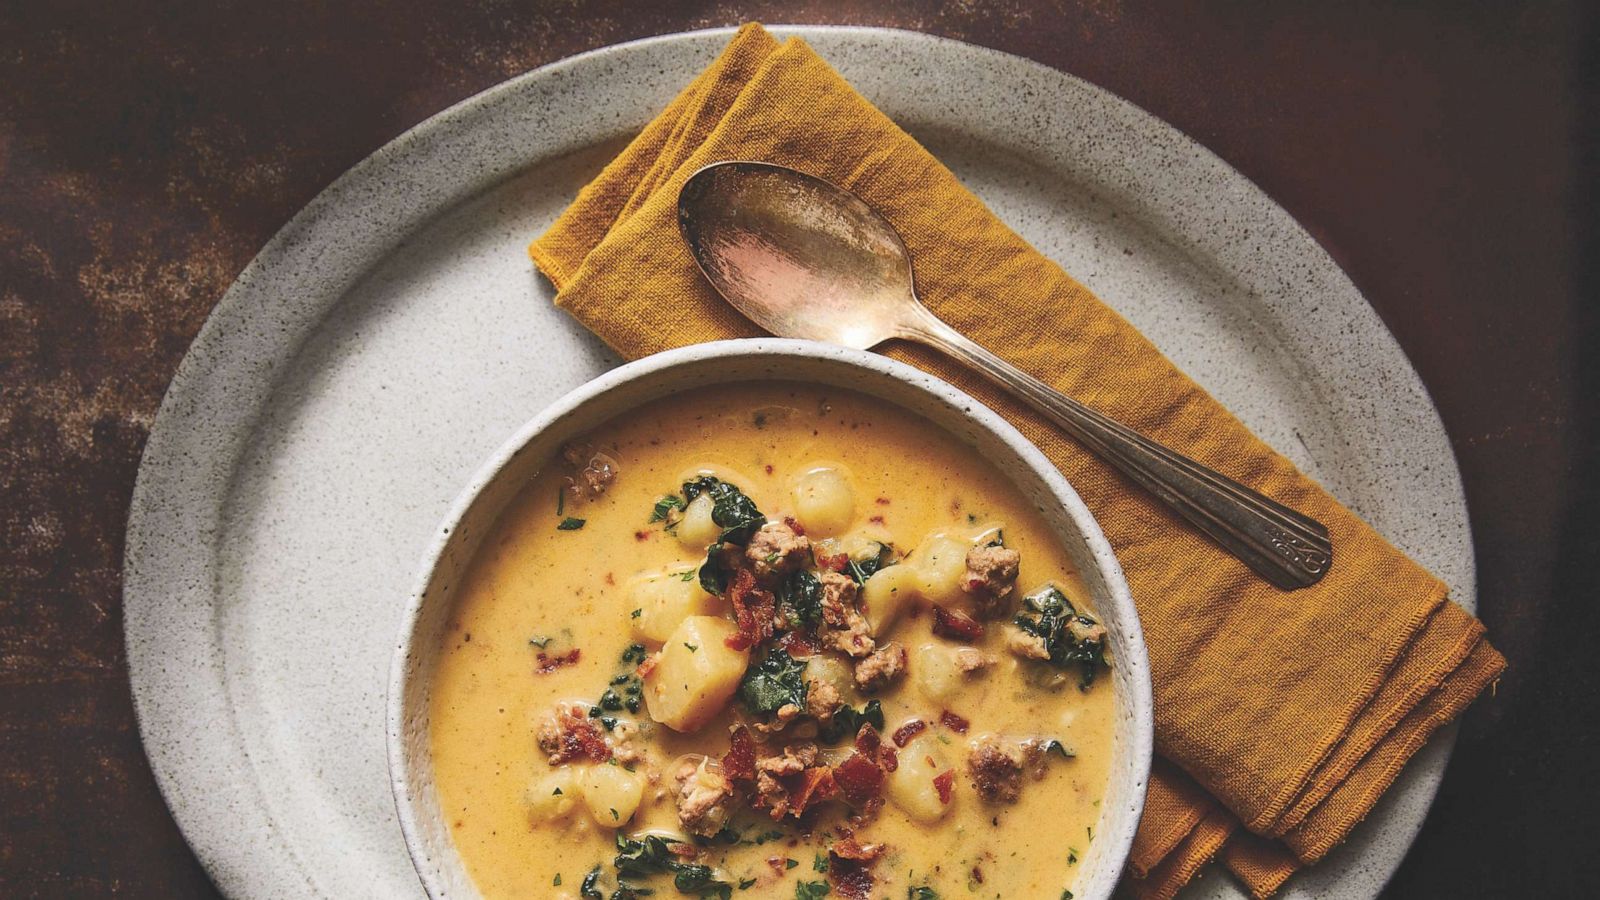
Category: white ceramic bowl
<point>476,510</point>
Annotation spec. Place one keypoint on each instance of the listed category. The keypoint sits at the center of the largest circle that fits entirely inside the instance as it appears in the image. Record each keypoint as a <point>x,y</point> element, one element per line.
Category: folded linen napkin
<point>1280,720</point>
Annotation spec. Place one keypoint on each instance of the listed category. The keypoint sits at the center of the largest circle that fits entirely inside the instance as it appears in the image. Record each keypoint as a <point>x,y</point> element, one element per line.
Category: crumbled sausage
<point>971,659</point>
<point>881,667</point>
<point>1025,645</point>
<point>996,769</point>
<point>822,699</point>
<point>625,743</point>
<point>592,471</point>
<point>777,550</point>
<point>844,628</point>
<point>705,798</point>
<point>990,578</point>
<point>786,784</point>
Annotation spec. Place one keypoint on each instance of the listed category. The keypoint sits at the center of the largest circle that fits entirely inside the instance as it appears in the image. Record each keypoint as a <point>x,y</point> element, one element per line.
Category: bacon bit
<point>799,645</point>
<point>945,782</point>
<point>881,501</point>
<point>777,864</point>
<point>850,877</point>
<point>816,784</point>
<point>868,741</point>
<point>753,608</point>
<point>954,722</point>
<point>740,762</point>
<point>644,669</point>
<point>790,521</point>
<point>957,625</point>
<point>850,848</point>
<point>909,730</point>
<point>683,849</point>
<point>889,759</point>
<point>977,874</point>
<point>579,739</point>
<point>835,563</point>
<point>859,779</point>
<point>548,663</point>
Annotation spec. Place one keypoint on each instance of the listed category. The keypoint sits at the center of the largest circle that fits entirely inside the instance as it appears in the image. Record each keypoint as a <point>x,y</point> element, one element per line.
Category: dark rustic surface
<point>1437,151</point>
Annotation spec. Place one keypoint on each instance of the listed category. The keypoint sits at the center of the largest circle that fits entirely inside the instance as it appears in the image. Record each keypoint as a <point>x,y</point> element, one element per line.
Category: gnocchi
<point>611,793</point>
<point>824,501</point>
<point>912,786</point>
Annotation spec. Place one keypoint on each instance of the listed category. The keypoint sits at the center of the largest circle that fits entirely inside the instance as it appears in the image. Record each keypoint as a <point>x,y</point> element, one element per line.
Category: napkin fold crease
<point>1280,718</point>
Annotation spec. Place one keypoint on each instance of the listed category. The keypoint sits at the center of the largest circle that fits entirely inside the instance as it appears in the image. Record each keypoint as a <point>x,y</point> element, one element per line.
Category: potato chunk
<point>695,674</point>
<point>665,599</point>
<point>911,785</point>
<point>612,793</point>
<point>554,796</point>
<point>824,501</point>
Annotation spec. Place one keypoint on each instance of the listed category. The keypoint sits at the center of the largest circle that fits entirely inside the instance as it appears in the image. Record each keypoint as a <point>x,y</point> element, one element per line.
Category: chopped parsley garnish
<point>820,863</point>
<point>692,647</point>
<point>922,892</point>
<point>847,721</point>
<point>1058,748</point>
<point>570,524</point>
<point>665,506</point>
<point>777,680</point>
<point>790,863</point>
<point>561,510</point>
<point>636,614</point>
<point>540,641</point>
<point>1049,615</point>
<point>810,890</point>
<point>557,882</point>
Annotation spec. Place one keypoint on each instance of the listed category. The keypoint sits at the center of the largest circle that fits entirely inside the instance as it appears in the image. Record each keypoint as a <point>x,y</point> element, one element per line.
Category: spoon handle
<point>1286,548</point>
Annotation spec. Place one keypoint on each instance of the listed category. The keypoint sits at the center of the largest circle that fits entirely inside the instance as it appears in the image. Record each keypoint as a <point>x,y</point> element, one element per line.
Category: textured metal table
<point>1437,151</point>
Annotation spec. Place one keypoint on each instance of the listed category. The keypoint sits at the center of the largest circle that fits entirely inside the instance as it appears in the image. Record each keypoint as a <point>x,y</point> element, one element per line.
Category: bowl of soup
<point>769,619</point>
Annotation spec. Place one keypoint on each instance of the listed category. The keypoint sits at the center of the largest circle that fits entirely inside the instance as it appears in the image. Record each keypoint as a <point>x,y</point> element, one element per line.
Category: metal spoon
<point>803,258</point>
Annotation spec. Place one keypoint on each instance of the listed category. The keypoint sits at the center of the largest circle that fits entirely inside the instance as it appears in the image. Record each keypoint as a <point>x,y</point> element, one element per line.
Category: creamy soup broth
<point>554,613</point>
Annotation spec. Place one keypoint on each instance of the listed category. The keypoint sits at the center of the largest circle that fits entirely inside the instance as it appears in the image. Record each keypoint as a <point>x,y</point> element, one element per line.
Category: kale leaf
<point>1048,615</point>
<point>800,598</point>
<point>776,680</point>
<point>665,506</point>
<point>847,721</point>
<point>861,571</point>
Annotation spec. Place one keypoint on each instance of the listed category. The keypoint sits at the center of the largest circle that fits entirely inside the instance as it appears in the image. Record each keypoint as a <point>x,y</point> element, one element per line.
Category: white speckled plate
<point>394,334</point>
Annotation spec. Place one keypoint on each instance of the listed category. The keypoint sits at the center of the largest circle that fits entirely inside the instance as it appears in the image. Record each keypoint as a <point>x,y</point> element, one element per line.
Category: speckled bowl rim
<point>406,734</point>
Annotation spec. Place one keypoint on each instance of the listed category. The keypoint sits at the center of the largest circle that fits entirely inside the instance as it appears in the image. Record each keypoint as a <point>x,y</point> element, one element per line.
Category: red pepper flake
<point>644,669</point>
<point>977,874</point>
<point>740,762</point>
<point>945,782</point>
<point>881,501</point>
<point>641,536</point>
<point>768,467</point>
<point>904,734</point>
<point>876,520</point>
<point>798,644</point>
<point>794,525</point>
<point>610,578</point>
<point>777,864</point>
<point>859,779</point>
<point>954,722</point>
<point>957,625</point>
<point>548,663</point>
<point>753,608</point>
<point>835,563</point>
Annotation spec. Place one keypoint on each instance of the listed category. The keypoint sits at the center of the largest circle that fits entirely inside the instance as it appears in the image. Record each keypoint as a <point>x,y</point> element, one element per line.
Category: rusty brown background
<point>1441,151</point>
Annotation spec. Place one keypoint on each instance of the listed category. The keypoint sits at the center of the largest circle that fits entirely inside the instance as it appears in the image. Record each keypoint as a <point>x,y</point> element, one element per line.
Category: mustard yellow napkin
<point>1280,719</point>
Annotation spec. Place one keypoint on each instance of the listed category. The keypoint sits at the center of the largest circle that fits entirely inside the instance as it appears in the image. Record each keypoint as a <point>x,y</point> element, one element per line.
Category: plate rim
<point>189,392</point>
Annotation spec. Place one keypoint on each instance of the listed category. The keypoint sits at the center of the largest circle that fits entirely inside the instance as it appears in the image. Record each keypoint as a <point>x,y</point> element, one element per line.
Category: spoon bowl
<point>804,258</point>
